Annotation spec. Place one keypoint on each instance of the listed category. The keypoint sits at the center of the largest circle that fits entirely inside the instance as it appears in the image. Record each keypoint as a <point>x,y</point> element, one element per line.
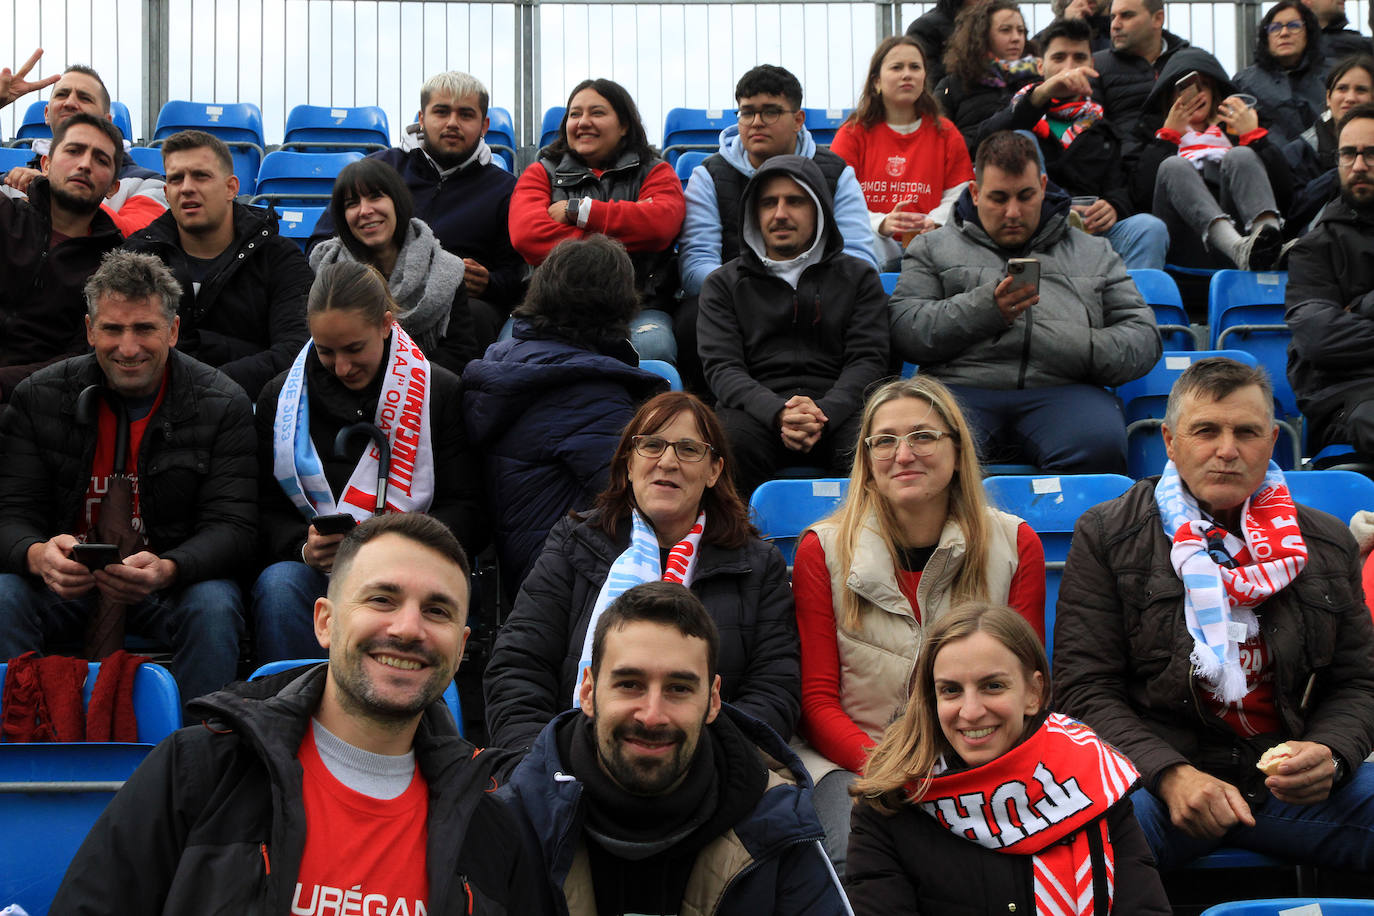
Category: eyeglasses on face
<point>922,442</point>
<point>1293,26</point>
<point>768,114</point>
<point>1346,155</point>
<point>685,449</point>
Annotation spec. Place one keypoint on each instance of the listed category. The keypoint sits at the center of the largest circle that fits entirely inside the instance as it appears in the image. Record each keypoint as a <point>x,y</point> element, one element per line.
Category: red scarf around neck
<point>1045,790</point>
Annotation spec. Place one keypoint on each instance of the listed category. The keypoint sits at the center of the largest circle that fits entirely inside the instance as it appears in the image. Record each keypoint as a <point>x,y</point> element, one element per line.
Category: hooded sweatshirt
<point>704,243</point>
<point>814,325</point>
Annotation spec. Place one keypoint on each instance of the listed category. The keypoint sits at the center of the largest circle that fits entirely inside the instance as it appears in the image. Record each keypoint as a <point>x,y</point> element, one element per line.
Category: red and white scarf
<point>1079,113</point>
<point>1199,146</point>
<point>1039,799</point>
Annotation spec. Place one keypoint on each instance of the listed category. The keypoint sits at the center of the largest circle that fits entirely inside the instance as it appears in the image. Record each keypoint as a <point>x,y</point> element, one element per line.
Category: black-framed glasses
<point>922,443</point>
<point>768,114</point>
<point>1346,155</point>
<point>1295,25</point>
<point>685,449</point>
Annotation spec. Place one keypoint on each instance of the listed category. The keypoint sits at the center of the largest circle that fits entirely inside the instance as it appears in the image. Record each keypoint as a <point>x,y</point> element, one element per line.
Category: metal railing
<point>281,53</point>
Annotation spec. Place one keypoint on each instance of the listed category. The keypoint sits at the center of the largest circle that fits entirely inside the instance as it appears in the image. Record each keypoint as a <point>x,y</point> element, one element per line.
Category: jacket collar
<point>1054,222</point>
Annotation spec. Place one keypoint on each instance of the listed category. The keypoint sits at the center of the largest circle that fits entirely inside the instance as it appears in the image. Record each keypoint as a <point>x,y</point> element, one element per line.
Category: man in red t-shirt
<point>342,787</point>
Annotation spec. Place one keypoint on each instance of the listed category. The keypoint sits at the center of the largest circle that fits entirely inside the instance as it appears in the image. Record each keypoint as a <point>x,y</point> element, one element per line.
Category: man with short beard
<point>53,243</point>
<point>1330,300</point>
<point>462,194</point>
<point>655,798</point>
<point>341,787</point>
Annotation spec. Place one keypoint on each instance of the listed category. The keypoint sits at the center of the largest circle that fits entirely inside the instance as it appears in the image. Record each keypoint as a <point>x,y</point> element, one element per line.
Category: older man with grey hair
<point>134,408</point>
<point>463,194</point>
<point>1216,632</point>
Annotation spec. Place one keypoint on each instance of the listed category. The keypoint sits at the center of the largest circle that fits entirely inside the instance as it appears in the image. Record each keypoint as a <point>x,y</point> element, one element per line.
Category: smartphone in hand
<point>96,556</point>
<point>338,523</point>
<point>1024,272</point>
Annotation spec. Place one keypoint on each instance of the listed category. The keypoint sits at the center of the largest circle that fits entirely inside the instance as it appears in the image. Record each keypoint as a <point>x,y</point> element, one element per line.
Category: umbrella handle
<point>88,414</point>
<point>379,439</point>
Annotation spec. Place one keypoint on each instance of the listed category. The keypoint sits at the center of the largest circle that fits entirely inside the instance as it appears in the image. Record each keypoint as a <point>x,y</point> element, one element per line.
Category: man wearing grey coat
<point>1029,362</point>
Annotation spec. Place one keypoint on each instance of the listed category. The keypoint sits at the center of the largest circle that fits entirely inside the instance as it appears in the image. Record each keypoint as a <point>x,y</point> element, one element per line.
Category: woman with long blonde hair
<point>979,800</point>
<point>914,536</point>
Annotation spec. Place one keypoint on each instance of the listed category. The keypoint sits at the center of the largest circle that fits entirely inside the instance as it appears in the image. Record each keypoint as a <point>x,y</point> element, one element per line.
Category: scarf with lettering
<point>1226,578</point>
<point>1040,799</point>
<point>1079,113</point>
<point>637,565</point>
<point>402,416</point>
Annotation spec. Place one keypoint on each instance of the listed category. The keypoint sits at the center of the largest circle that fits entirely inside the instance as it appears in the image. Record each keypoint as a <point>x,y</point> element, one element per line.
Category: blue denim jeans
<point>1029,425</point>
<point>284,612</point>
<point>1141,240</point>
<point>202,622</point>
<point>1338,832</point>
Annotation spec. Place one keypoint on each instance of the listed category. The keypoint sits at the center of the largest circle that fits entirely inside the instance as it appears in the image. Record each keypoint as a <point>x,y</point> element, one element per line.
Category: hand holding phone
<point>337,523</point>
<point>1019,289</point>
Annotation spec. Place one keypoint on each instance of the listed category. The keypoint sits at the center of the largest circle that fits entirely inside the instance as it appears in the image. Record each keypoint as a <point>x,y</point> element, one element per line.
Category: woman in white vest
<point>359,365</point>
<point>914,536</point>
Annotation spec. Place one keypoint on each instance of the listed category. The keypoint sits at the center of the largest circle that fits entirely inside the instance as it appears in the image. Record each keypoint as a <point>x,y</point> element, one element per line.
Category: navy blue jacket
<point>772,862</point>
<point>547,414</point>
<point>469,212</point>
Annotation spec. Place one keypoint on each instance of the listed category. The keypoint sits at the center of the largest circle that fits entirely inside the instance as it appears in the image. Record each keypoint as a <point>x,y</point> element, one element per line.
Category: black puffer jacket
<point>42,303</point>
<point>968,106</point>
<point>1330,309</point>
<point>1124,80</point>
<point>214,820</point>
<point>1121,649</point>
<point>933,28</point>
<point>197,471</point>
<point>530,677</point>
<point>249,317</point>
<point>457,468</point>
<point>762,340</point>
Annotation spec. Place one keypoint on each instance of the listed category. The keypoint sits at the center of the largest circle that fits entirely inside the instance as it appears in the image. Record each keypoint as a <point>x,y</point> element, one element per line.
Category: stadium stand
<point>823,122</point>
<point>501,137</point>
<point>694,128</point>
<point>238,124</point>
<point>321,128</point>
<point>782,509</point>
<point>300,179</point>
<point>548,130</point>
<point>1161,292</point>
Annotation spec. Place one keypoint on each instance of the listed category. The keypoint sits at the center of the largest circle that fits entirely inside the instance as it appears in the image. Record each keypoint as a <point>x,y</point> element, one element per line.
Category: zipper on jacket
<point>266,861</point>
<point>1029,315</point>
<point>467,892</point>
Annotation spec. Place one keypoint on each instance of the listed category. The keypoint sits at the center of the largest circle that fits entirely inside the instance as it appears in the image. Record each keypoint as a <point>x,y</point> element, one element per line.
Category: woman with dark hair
<point>911,162</point>
<point>374,213</point>
<point>935,830</point>
<point>1286,77</point>
<point>1209,170</point>
<point>568,372</point>
<point>914,536</point>
<point>1350,83</point>
<point>985,63</point>
<point>602,176</point>
<point>670,511</point>
<point>359,365</point>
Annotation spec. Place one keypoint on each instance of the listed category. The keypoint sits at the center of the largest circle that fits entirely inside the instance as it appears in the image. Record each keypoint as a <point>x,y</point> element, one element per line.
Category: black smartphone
<point>338,523</point>
<point>1024,272</point>
<point>96,556</point>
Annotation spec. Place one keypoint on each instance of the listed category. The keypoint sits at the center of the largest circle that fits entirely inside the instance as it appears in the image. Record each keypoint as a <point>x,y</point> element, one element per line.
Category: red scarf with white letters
<point>1060,780</point>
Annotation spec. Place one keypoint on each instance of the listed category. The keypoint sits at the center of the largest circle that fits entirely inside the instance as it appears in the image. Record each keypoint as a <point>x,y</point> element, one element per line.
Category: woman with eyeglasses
<point>669,512</point>
<point>1209,168</point>
<point>985,64</point>
<point>914,536</point>
<point>1286,77</point>
<point>602,176</point>
<point>911,162</point>
<point>980,800</point>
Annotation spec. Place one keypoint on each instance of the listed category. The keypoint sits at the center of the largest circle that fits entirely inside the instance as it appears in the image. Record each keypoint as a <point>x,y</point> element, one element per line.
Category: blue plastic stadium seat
<point>1161,293</point>
<point>823,122</point>
<point>322,128</point>
<point>298,223</point>
<point>147,157</point>
<point>1051,506</point>
<point>289,178</point>
<point>237,124</point>
<point>1330,906</point>
<point>548,129</point>
<point>286,664</point>
<point>51,794</point>
<point>1341,493</point>
<point>890,280</point>
<point>501,137</point>
<point>1341,456</point>
<point>1143,402</point>
<point>783,509</point>
<point>687,162</point>
<point>665,369</point>
<point>14,158</point>
<point>119,114</point>
<point>694,128</point>
<point>32,127</point>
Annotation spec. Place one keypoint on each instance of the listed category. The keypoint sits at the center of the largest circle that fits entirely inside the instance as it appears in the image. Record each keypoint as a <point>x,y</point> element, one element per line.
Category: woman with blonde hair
<point>980,800</point>
<point>914,536</point>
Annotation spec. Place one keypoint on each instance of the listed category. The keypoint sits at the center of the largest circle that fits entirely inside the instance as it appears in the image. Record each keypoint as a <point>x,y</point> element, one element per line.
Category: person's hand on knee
<point>1306,776</point>
<point>1201,805</point>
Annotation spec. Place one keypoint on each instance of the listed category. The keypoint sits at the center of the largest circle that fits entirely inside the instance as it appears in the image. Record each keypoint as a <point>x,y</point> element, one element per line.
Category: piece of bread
<point>1269,761</point>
